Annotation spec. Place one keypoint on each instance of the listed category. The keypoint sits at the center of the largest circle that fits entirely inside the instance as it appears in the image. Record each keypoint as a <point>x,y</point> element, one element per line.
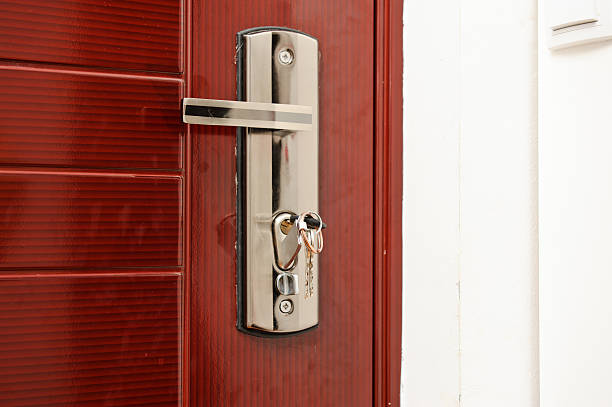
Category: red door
<point>117,242</point>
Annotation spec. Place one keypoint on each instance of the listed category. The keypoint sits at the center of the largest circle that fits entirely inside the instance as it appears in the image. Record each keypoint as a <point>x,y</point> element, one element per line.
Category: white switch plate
<point>566,13</point>
<point>576,22</point>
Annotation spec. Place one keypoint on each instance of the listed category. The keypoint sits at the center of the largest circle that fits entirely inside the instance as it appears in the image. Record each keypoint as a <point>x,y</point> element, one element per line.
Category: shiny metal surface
<point>286,306</point>
<point>284,242</point>
<point>277,116</point>
<point>281,174</point>
<point>277,174</point>
<point>288,284</point>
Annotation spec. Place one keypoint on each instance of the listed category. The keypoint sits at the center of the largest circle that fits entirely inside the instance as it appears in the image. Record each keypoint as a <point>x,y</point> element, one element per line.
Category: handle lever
<point>275,116</point>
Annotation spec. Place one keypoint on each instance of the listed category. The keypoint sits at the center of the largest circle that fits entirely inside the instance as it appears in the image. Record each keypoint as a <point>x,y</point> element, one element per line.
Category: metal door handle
<point>274,116</point>
<point>277,174</point>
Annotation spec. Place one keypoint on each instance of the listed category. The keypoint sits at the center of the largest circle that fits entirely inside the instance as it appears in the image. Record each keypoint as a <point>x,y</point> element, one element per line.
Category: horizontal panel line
<point>84,391</point>
<point>171,15</point>
<point>124,45</point>
<point>87,54</point>
<point>94,84</point>
<point>58,32</point>
<point>157,8</point>
<point>120,24</point>
<point>65,367</point>
<point>160,90</point>
<point>78,166</point>
<point>152,388</point>
<point>162,174</point>
<point>60,303</point>
<point>86,284</point>
<point>158,4</point>
<point>121,274</point>
<point>168,139</point>
<point>72,69</point>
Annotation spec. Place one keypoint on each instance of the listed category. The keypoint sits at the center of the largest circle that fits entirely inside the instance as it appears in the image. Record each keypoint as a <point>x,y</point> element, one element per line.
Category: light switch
<point>576,22</point>
<point>568,13</point>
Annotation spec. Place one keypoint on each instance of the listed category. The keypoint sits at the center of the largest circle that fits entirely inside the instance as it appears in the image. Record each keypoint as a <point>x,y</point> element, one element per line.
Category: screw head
<point>286,306</point>
<point>285,56</point>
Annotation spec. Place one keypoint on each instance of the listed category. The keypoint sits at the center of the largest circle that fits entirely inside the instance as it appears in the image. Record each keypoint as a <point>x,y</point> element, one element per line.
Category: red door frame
<point>388,203</point>
<point>388,190</point>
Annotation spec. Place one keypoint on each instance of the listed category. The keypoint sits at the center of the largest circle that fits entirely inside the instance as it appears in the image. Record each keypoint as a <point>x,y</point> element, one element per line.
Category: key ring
<point>287,266</point>
<point>308,238</point>
<point>306,234</point>
<point>319,245</point>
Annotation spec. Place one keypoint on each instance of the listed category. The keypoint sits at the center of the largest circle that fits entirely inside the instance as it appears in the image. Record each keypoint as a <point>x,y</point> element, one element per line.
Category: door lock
<point>277,177</point>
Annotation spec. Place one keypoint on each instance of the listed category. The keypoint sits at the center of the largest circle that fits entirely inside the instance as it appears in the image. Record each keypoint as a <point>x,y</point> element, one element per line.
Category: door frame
<point>388,187</point>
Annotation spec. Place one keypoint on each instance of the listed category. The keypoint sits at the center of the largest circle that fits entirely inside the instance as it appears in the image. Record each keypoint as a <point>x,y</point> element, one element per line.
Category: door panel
<point>331,365</point>
<point>90,341</point>
<point>80,119</point>
<point>143,35</point>
<point>91,203</point>
<point>66,220</point>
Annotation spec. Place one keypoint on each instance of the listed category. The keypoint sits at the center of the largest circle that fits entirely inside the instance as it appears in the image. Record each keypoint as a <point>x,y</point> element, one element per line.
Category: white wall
<point>575,223</point>
<point>470,204</point>
<point>430,337</point>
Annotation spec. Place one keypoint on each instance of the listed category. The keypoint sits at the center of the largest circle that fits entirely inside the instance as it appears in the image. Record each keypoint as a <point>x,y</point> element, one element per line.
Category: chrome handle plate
<point>277,174</point>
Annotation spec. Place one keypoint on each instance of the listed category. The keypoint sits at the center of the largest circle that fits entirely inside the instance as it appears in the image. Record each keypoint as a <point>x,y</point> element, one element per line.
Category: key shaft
<point>311,222</point>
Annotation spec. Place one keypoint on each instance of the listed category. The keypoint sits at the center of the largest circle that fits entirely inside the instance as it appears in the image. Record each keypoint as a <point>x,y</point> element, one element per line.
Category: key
<point>311,221</point>
<point>309,275</point>
<point>312,239</point>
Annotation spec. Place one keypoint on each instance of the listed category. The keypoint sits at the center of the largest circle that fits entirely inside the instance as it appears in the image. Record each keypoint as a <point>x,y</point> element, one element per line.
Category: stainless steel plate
<point>279,175</point>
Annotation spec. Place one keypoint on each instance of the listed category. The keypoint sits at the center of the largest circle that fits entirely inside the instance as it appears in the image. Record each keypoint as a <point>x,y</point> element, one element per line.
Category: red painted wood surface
<point>91,203</point>
<point>79,119</point>
<point>142,35</point>
<point>388,204</point>
<point>65,220</point>
<point>90,341</point>
<point>332,365</point>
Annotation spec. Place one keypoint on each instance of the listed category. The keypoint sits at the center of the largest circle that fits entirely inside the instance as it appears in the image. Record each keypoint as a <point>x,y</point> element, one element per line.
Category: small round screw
<point>286,306</point>
<point>285,56</point>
